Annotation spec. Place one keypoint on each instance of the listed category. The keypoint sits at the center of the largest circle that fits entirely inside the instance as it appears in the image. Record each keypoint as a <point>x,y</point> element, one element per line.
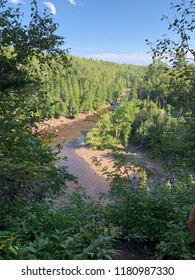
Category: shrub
<point>158,215</point>
<point>77,230</point>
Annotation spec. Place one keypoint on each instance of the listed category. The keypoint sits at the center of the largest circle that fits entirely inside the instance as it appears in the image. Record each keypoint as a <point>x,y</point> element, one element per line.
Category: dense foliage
<point>158,216</point>
<point>156,120</point>
<point>75,230</point>
<point>113,127</point>
<point>88,86</point>
<point>28,169</point>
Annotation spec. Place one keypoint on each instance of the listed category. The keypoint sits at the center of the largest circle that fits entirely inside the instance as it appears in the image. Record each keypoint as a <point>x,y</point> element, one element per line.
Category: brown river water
<point>72,137</point>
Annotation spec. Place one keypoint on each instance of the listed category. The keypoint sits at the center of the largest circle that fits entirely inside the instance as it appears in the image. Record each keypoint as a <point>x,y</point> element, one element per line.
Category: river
<point>79,163</point>
<point>72,137</point>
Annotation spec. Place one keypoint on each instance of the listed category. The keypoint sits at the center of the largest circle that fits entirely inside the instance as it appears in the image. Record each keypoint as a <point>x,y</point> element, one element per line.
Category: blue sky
<point>113,30</point>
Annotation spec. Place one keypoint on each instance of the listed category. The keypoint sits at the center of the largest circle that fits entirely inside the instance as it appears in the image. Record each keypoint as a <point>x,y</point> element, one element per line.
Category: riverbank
<point>136,156</point>
<point>104,159</point>
<point>91,168</point>
<point>87,177</point>
<point>62,120</point>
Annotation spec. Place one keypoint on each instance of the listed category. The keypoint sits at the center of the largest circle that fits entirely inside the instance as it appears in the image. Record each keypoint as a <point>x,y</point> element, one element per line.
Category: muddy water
<point>72,137</point>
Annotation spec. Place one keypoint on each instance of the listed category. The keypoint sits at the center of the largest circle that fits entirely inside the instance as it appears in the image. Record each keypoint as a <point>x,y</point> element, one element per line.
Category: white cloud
<point>16,1</point>
<point>72,2</point>
<point>51,7</point>
<point>137,59</point>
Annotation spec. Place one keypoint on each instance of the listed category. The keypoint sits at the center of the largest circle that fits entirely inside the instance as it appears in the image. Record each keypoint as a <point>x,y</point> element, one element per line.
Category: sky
<point>111,30</point>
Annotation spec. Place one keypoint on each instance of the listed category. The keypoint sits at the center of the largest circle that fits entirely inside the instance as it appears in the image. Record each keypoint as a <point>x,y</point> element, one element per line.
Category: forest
<point>88,86</point>
<point>40,80</point>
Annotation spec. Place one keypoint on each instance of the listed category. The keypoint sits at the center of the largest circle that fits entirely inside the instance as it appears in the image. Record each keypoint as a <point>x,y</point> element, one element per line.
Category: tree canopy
<point>28,169</point>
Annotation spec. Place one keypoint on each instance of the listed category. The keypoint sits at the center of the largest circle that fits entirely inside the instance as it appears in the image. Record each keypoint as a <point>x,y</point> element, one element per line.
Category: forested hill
<point>87,85</point>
